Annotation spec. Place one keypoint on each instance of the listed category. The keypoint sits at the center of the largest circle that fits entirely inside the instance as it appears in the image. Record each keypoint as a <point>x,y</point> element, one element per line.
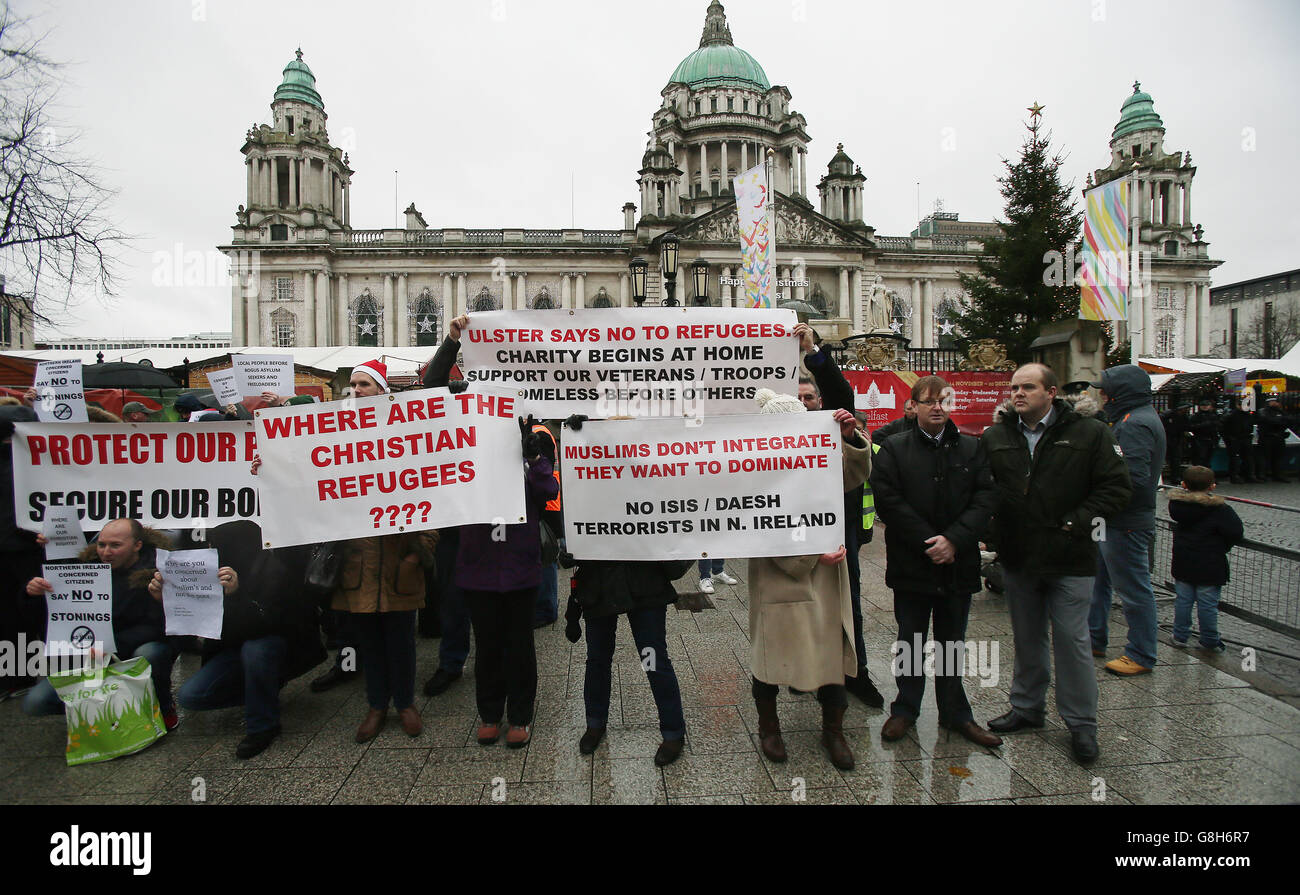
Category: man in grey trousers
<point>1059,474</point>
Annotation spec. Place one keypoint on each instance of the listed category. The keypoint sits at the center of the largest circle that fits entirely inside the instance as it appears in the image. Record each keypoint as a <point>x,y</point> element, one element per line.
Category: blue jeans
<point>546,607</point>
<point>1206,598</point>
<point>711,567</point>
<point>453,649</point>
<point>250,675</point>
<point>1123,562</point>
<point>43,700</point>
<point>649,632</point>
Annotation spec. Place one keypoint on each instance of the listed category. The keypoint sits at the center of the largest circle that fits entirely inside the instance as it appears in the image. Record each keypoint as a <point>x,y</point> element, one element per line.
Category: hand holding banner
<point>193,600</point>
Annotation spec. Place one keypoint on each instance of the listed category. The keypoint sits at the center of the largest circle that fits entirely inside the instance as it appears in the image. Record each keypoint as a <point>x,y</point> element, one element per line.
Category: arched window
<point>602,299</point>
<point>426,319</point>
<point>542,300</point>
<point>283,328</point>
<point>484,301</point>
<point>365,316</point>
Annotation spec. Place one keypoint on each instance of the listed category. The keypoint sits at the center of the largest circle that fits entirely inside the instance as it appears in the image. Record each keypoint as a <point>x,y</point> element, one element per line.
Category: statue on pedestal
<point>880,308</point>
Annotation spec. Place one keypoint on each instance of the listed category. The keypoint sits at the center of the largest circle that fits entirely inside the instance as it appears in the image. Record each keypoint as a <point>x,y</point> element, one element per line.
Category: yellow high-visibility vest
<point>869,499</point>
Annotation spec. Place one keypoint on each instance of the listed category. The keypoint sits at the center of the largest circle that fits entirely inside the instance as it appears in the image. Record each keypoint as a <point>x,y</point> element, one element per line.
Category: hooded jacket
<point>1205,529</point>
<point>1076,475</point>
<point>1141,436</point>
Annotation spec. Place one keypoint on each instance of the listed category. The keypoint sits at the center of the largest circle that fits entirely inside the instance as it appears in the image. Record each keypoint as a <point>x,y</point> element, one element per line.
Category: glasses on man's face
<point>929,403</point>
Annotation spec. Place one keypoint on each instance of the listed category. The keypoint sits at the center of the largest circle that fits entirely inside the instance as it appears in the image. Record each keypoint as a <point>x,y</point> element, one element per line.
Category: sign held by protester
<point>60,397</point>
<point>166,475</point>
<point>759,485</point>
<point>388,464</point>
<point>606,362</point>
<point>225,387</point>
<point>257,373</point>
<point>79,611</point>
<point>63,535</point>
<point>192,597</point>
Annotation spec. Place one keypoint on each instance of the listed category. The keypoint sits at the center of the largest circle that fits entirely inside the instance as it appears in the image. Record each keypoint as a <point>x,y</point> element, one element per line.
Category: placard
<point>603,362</point>
<point>63,535</point>
<point>79,611</point>
<point>60,397</point>
<point>732,486</point>
<point>225,387</point>
<point>257,373</point>
<point>193,601</point>
<point>167,475</point>
<point>388,464</point>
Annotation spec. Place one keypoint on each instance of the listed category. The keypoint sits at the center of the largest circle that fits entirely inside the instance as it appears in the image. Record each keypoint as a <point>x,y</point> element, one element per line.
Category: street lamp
<point>668,249</point>
<point>638,269</point>
<point>700,273</point>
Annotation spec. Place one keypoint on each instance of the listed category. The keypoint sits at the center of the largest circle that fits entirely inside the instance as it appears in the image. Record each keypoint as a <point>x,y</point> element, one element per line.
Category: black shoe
<point>1084,745</point>
<point>668,752</point>
<point>331,679</point>
<point>590,740</point>
<point>1011,722</point>
<point>256,743</point>
<point>862,687</point>
<point>441,680</point>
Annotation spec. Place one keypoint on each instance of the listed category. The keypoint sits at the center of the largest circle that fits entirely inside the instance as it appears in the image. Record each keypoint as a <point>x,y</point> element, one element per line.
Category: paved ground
<point>1192,732</point>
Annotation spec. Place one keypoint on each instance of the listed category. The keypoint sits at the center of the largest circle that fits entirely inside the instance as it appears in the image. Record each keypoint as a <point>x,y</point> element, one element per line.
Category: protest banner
<point>60,397</point>
<point>63,535</point>
<point>606,362</point>
<point>881,396</point>
<point>225,387</point>
<point>162,474</point>
<point>388,464</point>
<point>758,485</point>
<point>257,373</point>
<point>79,611</point>
<point>193,601</point>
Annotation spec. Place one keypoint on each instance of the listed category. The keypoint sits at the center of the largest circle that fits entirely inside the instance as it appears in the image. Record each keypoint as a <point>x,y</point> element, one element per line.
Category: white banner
<point>167,475</point>
<point>60,397</point>
<point>257,373</point>
<point>193,601</point>
<point>79,611</point>
<point>387,464</point>
<point>225,386</point>
<point>738,486</point>
<point>642,362</point>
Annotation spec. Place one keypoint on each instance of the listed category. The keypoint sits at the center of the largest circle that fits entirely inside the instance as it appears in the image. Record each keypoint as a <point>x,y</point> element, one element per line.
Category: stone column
<point>390,311</point>
<point>580,301</point>
<point>236,308</point>
<point>855,298</point>
<point>624,290</point>
<point>918,314</point>
<point>803,172</point>
<point>341,313</point>
<point>1148,335</point>
<point>1175,202</point>
<point>844,296</point>
<point>1187,203</point>
<point>801,273</point>
<point>704,168</point>
<point>462,294</point>
<point>254,319</point>
<point>326,185</point>
<point>1203,319</point>
<point>293,183</point>
<point>521,291</point>
<point>782,273</point>
<point>744,155</point>
<point>266,171</point>
<point>448,297</point>
<point>726,293</point>
<point>308,327</point>
<point>347,205</point>
<point>401,319</point>
<point>322,309</point>
<point>565,299</point>
<point>931,341</point>
<point>726,180</point>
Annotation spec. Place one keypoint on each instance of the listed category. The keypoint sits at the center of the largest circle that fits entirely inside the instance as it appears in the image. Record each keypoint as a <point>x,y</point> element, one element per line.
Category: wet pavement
<point>1195,731</point>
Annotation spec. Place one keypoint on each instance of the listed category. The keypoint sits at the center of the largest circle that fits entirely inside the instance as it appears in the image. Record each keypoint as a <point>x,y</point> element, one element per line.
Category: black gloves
<point>566,560</point>
<point>573,630</point>
<point>535,444</point>
<point>575,422</point>
<point>457,386</point>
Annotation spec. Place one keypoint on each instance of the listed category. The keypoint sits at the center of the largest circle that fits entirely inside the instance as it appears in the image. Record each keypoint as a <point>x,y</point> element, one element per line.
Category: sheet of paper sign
<point>192,598</point>
<point>63,534</point>
<point>60,397</point>
<point>257,373</point>
<point>225,386</point>
<point>79,611</point>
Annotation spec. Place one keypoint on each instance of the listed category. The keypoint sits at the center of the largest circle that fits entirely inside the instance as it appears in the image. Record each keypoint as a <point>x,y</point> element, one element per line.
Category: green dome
<point>719,62</point>
<point>299,84</point>
<point>721,65</point>
<point>1137,114</point>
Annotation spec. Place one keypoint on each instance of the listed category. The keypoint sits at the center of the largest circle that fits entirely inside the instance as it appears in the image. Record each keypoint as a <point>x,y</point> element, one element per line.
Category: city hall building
<point>304,275</point>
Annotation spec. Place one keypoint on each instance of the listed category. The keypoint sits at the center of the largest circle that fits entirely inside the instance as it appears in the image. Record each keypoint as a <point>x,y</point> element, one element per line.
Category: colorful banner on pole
<point>1104,291</point>
<point>168,475</point>
<point>388,464</point>
<point>758,485</point>
<point>606,362</point>
<point>755,208</point>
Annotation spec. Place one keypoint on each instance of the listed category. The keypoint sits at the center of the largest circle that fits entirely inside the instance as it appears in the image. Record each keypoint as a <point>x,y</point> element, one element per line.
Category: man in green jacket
<point>1059,475</point>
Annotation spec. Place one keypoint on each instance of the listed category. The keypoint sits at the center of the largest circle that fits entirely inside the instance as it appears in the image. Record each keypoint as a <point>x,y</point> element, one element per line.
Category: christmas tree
<point>1026,277</point>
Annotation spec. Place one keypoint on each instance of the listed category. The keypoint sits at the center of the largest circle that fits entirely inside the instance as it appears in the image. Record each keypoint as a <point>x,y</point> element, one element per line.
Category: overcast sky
<point>486,106</point>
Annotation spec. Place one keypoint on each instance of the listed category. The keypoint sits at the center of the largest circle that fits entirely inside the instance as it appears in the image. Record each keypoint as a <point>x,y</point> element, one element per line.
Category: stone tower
<point>841,189</point>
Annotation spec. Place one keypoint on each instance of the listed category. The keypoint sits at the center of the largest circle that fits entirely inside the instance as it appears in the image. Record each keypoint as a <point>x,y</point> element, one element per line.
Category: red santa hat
<point>376,370</point>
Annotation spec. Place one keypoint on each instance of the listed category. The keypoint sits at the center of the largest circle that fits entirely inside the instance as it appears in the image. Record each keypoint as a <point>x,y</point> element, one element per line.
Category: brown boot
<point>371,725</point>
<point>833,737</point>
<point>411,721</point>
<point>769,729</point>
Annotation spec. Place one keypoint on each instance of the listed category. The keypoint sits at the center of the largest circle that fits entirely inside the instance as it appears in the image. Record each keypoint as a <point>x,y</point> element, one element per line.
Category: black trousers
<point>913,611</point>
<point>505,663</point>
<point>1241,459</point>
<point>829,695</point>
<point>1274,457</point>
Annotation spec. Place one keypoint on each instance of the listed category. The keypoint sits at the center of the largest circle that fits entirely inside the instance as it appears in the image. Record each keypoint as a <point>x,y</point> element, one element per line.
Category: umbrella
<point>802,308</point>
<point>120,374</point>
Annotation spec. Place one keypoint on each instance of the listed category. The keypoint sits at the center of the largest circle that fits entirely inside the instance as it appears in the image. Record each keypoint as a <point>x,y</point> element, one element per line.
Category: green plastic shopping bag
<point>111,710</point>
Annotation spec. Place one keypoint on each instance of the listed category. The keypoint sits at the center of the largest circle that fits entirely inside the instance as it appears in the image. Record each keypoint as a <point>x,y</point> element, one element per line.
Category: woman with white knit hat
<point>800,614</point>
